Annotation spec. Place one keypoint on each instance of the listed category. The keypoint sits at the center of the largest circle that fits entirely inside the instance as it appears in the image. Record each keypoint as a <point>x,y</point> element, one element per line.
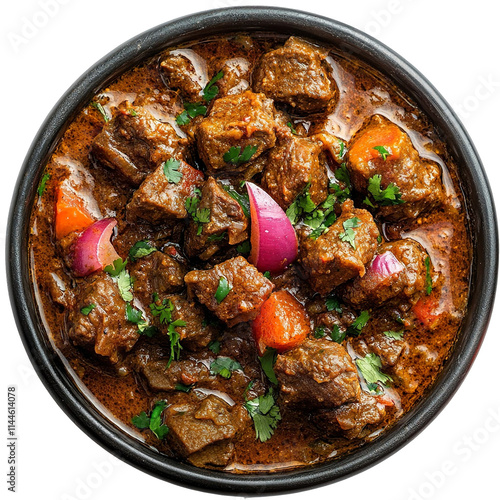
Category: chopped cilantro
<point>342,151</point>
<point>183,387</point>
<point>242,199</point>
<point>265,414</point>
<point>342,175</point>
<point>133,315</point>
<point>191,110</point>
<point>116,268</point>
<point>349,234</point>
<point>224,366</point>
<point>214,346</point>
<point>211,90</point>
<point>384,152</point>
<point>370,367</point>
<point>236,156</point>
<point>394,335</point>
<point>291,127</point>
<point>171,171</point>
<point>428,276</point>
<point>199,215</point>
<point>99,107</point>
<point>267,361</point>
<point>383,197</point>
<point>358,324</point>
<point>87,309</point>
<point>222,290</point>
<point>301,205</point>
<point>336,335</point>
<point>154,422</point>
<point>319,332</point>
<point>131,112</point>
<point>244,247</point>
<point>333,304</point>
<point>43,184</point>
<point>267,274</point>
<point>122,278</point>
<point>217,237</point>
<point>141,249</point>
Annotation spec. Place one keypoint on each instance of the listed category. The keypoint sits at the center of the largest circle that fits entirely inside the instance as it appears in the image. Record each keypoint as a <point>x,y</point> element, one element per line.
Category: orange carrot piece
<point>427,310</point>
<point>389,137</point>
<point>282,323</point>
<point>71,214</point>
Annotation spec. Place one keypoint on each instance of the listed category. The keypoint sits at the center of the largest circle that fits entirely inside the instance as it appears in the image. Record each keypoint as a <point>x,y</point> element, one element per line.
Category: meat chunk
<point>236,77</point>
<point>334,258</point>
<point>105,329</point>
<point>317,374</point>
<point>135,143</point>
<point>195,426</point>
<point>226,216</point>
<point>158,200</point>
<point>156,273</point>
<point>292,165</point>
<point>351,419</point>
<point>296,74</point>
<point>248,289</point>
<point>418,180</point>
<point>376,288</point>
<point>241,121</point>
<point>180,74</point>
<point>197,333</point>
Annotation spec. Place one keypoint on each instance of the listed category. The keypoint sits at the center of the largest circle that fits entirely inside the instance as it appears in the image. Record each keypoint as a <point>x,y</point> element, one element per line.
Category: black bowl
<point>477,194</point>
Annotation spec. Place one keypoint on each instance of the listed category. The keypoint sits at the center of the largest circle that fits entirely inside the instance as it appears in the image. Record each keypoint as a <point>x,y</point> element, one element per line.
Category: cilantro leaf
<point>333,304</point>
<point>199,215</point>
<point>267,361</point>
<point>244,247</point>
<point>265,414</point>
<point>428,276</point>
<point>141,421</point>
<point>183,118</point>
<point>133,315</point>
<point>214,346</point>
<point>191,110</point>
<point>301,205</point>
<point>291,127</point>
<point>175,340</point>
<point>43,184</point>
<point>222,290</point>
<point>183,387</point>
<point>349,234</point>
<point>211,90</point>
<point>171,171</point>
<point>369,367</point>
<point>99,107</point>
<point>236,156</point>
<point>117,267</point>
<point>383,197</point>
<point>358,324</point>
<point>336,335</point>
<point>122,278</point>
<point>87,309</point>
<point>319,332</point>
<point>224,366</point>
<point>384,152</point>
<point>342,175</point>
<point>141,249</point>
<point>242,199</point>
<point>155,424</point>
<point>394,335</point>
<point>217,237</point>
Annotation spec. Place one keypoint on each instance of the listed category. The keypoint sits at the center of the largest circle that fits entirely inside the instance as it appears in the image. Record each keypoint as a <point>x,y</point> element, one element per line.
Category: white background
<point>454,43</point>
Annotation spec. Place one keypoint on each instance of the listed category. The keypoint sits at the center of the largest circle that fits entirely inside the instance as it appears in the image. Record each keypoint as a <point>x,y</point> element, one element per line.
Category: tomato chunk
<point>71,214</point>
<point>282,323</point>
<point>427,311</point>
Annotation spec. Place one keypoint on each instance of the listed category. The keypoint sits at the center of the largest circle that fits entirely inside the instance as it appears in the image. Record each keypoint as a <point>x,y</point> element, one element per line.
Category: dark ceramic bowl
<point>477,195</point>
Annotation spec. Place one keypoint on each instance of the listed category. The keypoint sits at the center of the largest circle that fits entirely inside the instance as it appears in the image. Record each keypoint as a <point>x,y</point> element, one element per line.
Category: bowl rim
<point>49,366</point>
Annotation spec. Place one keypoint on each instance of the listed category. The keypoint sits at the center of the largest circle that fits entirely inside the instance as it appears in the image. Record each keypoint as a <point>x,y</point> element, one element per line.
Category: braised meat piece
<point>105,329</point>
<point>180,74</point>
<point>156,273</point>
<point>246,289</point>
<point>296,74</point>
<point>382,148</point>
<point>242,121</point>
<point>292,165</point>
<point>351,419</point>
<point>197,333</point>
<point>226,216</point>
<point>135,143</point>
<point>397,272</point>
<point>340,253</point>
<point>197,425</point>
<point>317,374</point>
<point>158,199</point>
<point>236,77</point>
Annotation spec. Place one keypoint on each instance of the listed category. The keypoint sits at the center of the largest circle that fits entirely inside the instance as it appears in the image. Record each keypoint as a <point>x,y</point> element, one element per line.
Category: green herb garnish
<point>394,335</point>
<point>383,197</point>
<point>301,205</point>
<point>43,184</point>
<point>428,276</point>
<point>336,335</point>
<point>87,309</point>
<point>370,367</point>
<point>214,346</point>
<point>236,156</point>
<point>265,414</point>
<point>99,107</point>
<point>242,199</point>
<point>141,249</point>
<point>191,110</point>
<point>319,332</point>
<point>384,152</point>
<point>349,234</point>
<point>244,247</point>
<point>358,324</point>
<point>291,127</point>
<point>122,278</point>
<point>154,422</point>
<point>333,304</point>
<point>267,361</point>
<point>217,237</point>
<point>224,366</point>
<point>183,387</point>
<point>222,290</point>
<point>199,215</point>
<point>211,90</point>
<point>171,171</point>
